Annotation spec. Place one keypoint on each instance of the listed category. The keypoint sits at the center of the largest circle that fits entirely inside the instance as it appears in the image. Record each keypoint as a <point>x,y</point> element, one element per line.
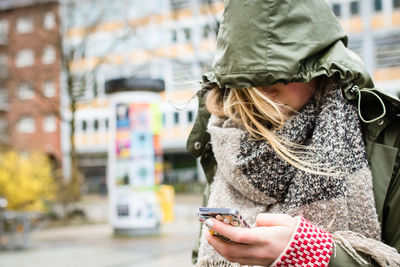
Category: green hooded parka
<point>262,42</point>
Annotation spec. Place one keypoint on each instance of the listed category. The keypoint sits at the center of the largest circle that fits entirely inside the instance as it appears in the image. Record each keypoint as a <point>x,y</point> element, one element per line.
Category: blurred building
<point>170,40</point>
<point>374,34</point>
<point>174,40</point>
<point>29,77</point>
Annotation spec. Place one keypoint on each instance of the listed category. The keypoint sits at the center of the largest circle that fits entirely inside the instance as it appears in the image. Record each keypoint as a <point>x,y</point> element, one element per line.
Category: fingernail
<point>209,223</point>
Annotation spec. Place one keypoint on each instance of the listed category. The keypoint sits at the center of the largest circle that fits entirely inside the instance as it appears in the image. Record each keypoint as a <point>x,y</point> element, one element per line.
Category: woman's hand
<point>259,245</point>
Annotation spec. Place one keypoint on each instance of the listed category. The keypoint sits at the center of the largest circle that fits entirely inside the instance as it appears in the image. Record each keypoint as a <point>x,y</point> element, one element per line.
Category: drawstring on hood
<point>355,92</point>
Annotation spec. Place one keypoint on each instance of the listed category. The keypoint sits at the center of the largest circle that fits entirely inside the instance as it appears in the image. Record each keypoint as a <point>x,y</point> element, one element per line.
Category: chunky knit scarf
<point>253,179</point>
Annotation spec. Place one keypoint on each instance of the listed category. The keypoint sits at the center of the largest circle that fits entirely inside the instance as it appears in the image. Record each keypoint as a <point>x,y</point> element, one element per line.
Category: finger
<point>244,254</point>
<point>268,219</point>
<point>234,252</point>
<point>236,234</point>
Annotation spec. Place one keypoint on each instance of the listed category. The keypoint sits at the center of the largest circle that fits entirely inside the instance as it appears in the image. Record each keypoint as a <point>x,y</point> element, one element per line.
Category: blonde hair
<point>262,117</point>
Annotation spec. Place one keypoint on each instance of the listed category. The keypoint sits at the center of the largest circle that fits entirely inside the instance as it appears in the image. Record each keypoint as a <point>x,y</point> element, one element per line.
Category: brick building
<point>30,76</point>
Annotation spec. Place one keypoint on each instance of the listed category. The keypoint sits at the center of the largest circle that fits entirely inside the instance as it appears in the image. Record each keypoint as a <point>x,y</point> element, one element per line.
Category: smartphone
<point>227,215</point>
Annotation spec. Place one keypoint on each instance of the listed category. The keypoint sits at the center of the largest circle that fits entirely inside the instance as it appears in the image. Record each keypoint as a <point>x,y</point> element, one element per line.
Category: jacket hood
<point>262,42</point>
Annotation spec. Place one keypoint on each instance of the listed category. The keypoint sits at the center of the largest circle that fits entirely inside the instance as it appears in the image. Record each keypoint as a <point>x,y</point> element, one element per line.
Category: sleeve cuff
<point>308,246</point>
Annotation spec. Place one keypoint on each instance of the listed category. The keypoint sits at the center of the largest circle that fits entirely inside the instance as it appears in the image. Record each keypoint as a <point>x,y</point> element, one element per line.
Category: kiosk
<point>134,155</point>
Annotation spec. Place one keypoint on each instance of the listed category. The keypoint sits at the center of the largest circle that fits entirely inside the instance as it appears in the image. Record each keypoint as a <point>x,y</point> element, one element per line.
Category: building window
<point>209,2</point>
<point>396,4</point>
<point>337,10</point>
<point>187,34</point>
<point>84,125</point>
<point>25,25</point>
<point>49,89</point>
<point>24,58</point>
<point>49,55</point>
<point>49,123</point>
<point>377,5</point>
<point>387,51</point>
<point>355,8</point>
<point>96,125</point>
<point>206,31</point>
<point>49,20</point>
<point>190,116</point>
<point>106,124</point>
<point>181,73</point>
<point>25,91</point>
<point>179,4</point>
<point>174,36</point>
<point>3,31</point>
<point>176,118</point>
<point>26,124</point>
<point>3,66</point>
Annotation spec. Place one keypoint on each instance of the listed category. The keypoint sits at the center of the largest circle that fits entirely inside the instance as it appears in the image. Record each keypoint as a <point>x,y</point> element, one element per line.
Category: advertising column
<point>135,156</point>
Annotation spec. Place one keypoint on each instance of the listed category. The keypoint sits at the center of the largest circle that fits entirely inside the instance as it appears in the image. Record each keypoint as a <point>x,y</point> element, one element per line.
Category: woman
<point>285,146</point>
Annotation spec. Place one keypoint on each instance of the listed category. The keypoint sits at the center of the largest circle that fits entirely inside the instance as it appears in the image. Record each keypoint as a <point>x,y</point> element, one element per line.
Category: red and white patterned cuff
<point>309,246</point>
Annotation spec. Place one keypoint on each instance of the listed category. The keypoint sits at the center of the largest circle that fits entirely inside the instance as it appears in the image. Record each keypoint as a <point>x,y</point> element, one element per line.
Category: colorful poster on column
<point>143,173</point>
<point>156,119</point>
<point>123,172</point>
<point>122,143</point>
<point>122,116</point>
<point>140,116</point>
<point>138,164</point>
<point>138,126</point>
<point>142,143</point>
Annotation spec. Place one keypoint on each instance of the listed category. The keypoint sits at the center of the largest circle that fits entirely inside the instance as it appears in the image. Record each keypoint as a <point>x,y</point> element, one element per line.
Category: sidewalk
<point>93,244</point>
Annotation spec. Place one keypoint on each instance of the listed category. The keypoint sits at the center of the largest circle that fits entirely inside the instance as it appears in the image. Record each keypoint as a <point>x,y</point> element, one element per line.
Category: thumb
<point>269,219</point>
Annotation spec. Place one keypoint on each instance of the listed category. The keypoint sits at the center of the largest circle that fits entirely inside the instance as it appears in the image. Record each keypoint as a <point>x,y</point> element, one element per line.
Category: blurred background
<point>64,68</point>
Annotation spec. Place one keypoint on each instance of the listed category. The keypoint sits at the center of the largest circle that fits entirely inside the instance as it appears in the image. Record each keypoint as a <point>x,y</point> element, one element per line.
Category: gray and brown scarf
<point>252,178</point>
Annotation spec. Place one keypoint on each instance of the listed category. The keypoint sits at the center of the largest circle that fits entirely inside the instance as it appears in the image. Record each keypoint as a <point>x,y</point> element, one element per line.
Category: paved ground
<point>94,245</point>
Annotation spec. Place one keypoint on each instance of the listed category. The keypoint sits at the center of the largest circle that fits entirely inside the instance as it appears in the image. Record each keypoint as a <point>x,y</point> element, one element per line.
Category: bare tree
<point>87,21</point>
